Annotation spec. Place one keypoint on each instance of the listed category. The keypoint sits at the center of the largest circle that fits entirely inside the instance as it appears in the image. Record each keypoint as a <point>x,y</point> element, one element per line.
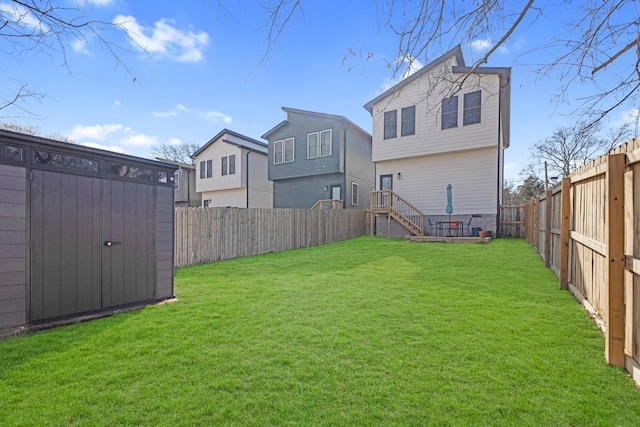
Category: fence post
<point>614,343</point>
<point>565,217</point>
<point>547,230</point>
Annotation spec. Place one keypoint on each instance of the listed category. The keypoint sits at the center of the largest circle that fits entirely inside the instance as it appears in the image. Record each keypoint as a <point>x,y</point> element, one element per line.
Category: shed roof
<point>289,110</point>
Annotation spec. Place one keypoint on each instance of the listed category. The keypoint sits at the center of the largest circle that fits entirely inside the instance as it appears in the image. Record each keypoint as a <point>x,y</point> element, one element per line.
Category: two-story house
<point>445,124</point>
<point>184,185</point>
<point>317,156</point>
<point>231,171</point>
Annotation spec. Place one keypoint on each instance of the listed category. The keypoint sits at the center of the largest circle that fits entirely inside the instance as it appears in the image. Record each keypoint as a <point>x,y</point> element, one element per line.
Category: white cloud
<point>165,113</point>
<point>99,132</point>
<point>175,141</point>
<point>100,2</point>
<point>20,15</point>
<point>480,45</point>
<point>164,40</point>
<point>216,116</point>
<point>631,117</point>
<point>413,65</point>
<point>113,148</point>
<point>80,46</point>
<point>139,140</point>
<point>117,103</point>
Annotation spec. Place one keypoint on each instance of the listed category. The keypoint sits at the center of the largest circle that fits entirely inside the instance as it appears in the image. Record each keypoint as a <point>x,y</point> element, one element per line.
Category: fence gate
<point>91,243</point>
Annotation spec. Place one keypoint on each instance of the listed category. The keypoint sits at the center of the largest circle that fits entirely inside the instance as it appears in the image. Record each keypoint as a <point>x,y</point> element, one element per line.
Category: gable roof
<point>289,110</point>
<point>237,135</point>
<point>456,51</point>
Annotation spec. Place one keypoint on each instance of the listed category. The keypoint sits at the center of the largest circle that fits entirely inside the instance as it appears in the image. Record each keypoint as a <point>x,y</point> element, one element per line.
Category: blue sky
<point>202,72</point>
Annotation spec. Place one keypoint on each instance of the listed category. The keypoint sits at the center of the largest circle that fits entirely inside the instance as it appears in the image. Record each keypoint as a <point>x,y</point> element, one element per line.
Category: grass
<point>369,331</point>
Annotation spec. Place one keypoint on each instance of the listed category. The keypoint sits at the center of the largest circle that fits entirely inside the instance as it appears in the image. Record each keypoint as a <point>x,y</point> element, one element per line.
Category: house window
<point>312,145</point>
<point>202,170</point>
<point>408,118</point>
<point>232,164</point>
<point>472,107</point>
<point>319,144</point>
<point>206,203</point>
<point>390,124</point>
<point>354,194</point>
<point>325,143</point>
<point>450,112</point>
<point>283,151</point>
<point>176,180</point>
<point>224,165</point>
<point>209,168</point>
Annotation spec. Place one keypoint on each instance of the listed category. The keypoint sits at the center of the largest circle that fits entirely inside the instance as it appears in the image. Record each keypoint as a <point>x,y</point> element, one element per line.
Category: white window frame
<point>354,194</point>
<point>311,144</point>
<point>176,180</point>
<point>286,145</point>
<point>232,164</point>
<point>323,143</point>
<point>451,100</point>
<point>388,125</point>
<point>466,108</point>
<point>404,120</point>
<point>224,167</point>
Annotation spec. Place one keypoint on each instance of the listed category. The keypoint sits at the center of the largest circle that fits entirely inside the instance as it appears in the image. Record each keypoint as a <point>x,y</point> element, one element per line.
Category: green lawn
<point>369,331</point>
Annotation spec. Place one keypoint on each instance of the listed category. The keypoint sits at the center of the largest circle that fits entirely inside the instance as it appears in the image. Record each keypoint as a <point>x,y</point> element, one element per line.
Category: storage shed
<point>81,230</point>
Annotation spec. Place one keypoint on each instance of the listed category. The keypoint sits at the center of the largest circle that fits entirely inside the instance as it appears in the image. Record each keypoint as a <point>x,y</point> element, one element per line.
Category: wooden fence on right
<point>587,230</point>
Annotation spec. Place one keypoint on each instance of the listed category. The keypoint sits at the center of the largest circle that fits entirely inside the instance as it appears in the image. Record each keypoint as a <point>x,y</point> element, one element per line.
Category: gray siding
<point>303,193</point>
<point>360,169</point>
<point>298,126</point>
<point>13,238</point>
<point>164,243</point>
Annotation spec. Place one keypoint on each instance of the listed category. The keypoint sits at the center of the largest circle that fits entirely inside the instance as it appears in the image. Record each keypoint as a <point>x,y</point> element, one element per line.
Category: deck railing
<point>388,202</point>
<point>328,204</point>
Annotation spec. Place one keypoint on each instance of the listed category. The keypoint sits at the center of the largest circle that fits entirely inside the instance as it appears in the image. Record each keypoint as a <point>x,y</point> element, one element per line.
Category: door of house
<point>91,241</point>
<point>386,183</point>
<point>336,194</point>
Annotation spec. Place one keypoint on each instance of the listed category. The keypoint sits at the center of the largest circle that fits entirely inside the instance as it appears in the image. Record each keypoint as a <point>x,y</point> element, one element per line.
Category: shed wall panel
<point>13,245</point>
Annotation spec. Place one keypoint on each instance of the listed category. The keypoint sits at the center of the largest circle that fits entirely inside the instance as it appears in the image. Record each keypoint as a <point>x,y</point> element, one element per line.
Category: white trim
<point>354,192</point>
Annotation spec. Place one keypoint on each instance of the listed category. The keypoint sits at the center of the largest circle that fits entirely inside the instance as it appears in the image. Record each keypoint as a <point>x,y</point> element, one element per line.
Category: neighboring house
<point>231,171</point>
<point>316,156</point>
<point>184,184</point>
<point>445,124</point>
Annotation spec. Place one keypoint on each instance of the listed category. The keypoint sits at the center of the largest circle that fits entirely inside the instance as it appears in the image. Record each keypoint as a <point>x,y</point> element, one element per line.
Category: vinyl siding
<point>13,241</point>
<point>299,126</point>
<point>216,152</point>
<point>260,189</point>
<point>303,193</point>
<point>360,169</point>
<point>426,93</point>
<point>423,183</point>
<point>164,242</point>
<point>236,198</point>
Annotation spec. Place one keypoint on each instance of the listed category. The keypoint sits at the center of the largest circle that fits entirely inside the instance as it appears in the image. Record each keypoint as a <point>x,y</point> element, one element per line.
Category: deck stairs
<point>389,203</point>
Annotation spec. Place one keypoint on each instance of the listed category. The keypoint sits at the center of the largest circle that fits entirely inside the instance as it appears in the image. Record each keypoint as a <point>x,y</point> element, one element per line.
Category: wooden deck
<point>446,239</point>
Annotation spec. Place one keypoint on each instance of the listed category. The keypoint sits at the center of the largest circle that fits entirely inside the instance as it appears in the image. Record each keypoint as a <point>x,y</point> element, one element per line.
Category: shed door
<point>128,258</point>
<point>72,270</point>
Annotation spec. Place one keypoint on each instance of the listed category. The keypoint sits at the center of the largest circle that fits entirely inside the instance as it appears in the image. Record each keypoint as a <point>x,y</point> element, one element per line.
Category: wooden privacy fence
<point>511,221</point>
<point>587,231</point>
<point>205,235</point>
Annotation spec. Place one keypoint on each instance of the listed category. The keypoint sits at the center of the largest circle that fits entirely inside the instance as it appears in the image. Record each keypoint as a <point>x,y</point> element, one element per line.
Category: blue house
<point>317,156</point>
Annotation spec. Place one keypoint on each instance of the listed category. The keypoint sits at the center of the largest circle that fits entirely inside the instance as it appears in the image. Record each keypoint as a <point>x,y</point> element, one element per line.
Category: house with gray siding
<point>317,156</point>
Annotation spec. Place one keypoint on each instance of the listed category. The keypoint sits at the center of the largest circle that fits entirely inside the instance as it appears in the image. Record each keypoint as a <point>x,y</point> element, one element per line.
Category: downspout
<point>188,187</point>
<point>248,152</point>
<point>344,166</point>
